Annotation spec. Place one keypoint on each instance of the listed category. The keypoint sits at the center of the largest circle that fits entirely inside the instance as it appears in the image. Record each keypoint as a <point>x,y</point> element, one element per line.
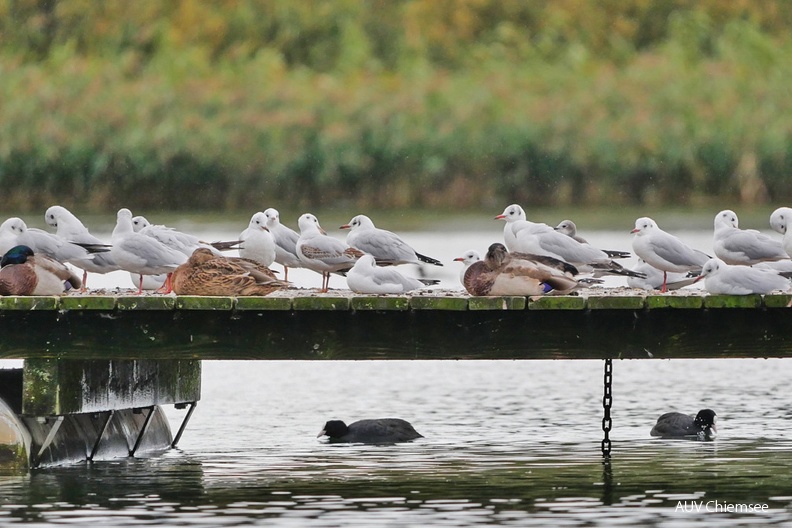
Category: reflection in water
<point>507,442</point>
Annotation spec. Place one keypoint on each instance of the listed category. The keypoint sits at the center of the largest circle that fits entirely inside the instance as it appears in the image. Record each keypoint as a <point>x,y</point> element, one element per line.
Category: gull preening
<point>322,253</point>
<point>743,246</point>
<point>779,221</point>
<point>664,251</point>
<point>723,279</point>
<point>367,277</point>
<point>15,232</point>
<point>388,248</point>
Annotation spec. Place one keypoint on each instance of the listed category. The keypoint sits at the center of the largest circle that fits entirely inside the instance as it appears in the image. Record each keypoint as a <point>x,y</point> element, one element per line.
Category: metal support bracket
<point>101,434</point>
<point>143,429</point>
<point>183,424</point>
<point>48,440</point>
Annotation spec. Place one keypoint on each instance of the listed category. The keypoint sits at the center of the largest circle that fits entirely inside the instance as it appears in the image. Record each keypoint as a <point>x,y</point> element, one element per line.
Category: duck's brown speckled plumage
<point>504,273</point>
<point>207,274</point>
<point>38,275</point>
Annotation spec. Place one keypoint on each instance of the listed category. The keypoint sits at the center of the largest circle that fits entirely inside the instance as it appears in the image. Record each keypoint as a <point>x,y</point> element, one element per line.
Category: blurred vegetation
<point>224,104</point>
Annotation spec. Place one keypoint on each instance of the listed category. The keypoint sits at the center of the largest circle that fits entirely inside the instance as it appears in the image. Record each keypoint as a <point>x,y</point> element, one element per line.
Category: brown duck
<point>504,273</point>
<point>207,274</point>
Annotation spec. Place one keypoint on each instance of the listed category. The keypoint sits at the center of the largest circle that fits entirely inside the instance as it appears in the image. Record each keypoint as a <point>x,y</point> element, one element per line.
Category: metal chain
<point>607,401</point>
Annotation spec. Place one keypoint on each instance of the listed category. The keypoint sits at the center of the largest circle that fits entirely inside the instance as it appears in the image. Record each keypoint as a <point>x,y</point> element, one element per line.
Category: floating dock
<point>104,364</point>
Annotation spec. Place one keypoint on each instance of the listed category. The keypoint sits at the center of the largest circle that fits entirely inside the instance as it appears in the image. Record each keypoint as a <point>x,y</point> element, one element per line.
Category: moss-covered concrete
<point>29,303</point>
<point>733,301</point>
<point>263,303</point>
<point>685,302</point>
<point>95,302</point>
<point>632,302</point>
<point>778,301</point>
<point>425,302</point>
<point>385,303</point>
<point>146,302</point>
<point>199,302</point>
<point>557,303</point>
<point>321,303</point>
<point>497,303</point>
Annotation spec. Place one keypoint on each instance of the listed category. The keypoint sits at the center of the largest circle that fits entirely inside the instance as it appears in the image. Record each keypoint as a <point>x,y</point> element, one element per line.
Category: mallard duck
<point>207,274</point>
<point>23,273</point>
<point>504,273</point>
<point>677,425</point>
<point>379,431</point>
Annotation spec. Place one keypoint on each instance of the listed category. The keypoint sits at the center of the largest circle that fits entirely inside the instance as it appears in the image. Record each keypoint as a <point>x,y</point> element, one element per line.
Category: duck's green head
<point>16,255</point>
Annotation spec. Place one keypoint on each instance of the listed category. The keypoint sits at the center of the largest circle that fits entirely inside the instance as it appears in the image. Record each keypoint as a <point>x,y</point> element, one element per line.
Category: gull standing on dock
<point>285,242</point>
<point>23,273</point>
<point>664,251</point>
<point>322,253</point>
<point>467,260</point>
<point>142,254</point>
<point>723,279</point>
<point>70,229</point>
<point>183,242</point>
<point>387,247</point>
<point>14,232</point>
<point>366,277</point>
<point>257,242</point>
<point>743,246</point>
<point>522,236</point>
<point>779,221</point>
<point>654,278</point>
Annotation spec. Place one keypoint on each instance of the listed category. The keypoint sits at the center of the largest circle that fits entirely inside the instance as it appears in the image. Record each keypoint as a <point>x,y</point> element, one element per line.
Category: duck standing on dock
<point>69,228</point>
<point>205,273</point>
<point>504,273</point>
<point>23,273</point>
<point>285,242</point>
<point>366,277</point>
<point>142,254</point>
<point>745,247</point>
<point>664,251</point>
<point>322,253</point>
<point>387,247</point>
<point>723,279</point>
<point>257,242</point>
<point>379,431</point>
<point>679,425</point>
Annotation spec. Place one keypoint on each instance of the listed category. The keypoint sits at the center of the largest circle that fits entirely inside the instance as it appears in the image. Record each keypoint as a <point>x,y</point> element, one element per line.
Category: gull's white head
<point>567,227</point>
<point>360,221</point>
<point>643,226</point>
<point>780,219</point>
<point>512,213</point>
<point>57,214</point>
<point>258,221</point>
<point>711,267</point>
<point>309,223</point>
<point>469,258</point>
<point>139,222</point>
<point>726,218</point>
<point>15,225</point>
<point>273,217</point>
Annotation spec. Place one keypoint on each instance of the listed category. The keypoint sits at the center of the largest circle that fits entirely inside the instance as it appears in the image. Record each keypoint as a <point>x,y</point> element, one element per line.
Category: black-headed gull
<point>504,273</point>
<point>387,247</point>
<point>467,259</point>
<point>664,251</point>
<point>14,232</point>
<point>743,246</point>
<point>70,229</point>
<point>568,228</point>
<point>285,242</point>
<point>366,277</point>
<point>142,254</point>
<point>322,253</point>
<point>676,425</point>
<point>522,236</point>
<point>257,241</point>
<point>183,242</point>
<point>23,273</point>
<point>779,221</point>
<point>723,279</point>
<point>654,278</point>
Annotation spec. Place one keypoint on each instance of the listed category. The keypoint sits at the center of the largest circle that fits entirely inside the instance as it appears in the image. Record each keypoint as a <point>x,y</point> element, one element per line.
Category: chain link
<point>607,401</point>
